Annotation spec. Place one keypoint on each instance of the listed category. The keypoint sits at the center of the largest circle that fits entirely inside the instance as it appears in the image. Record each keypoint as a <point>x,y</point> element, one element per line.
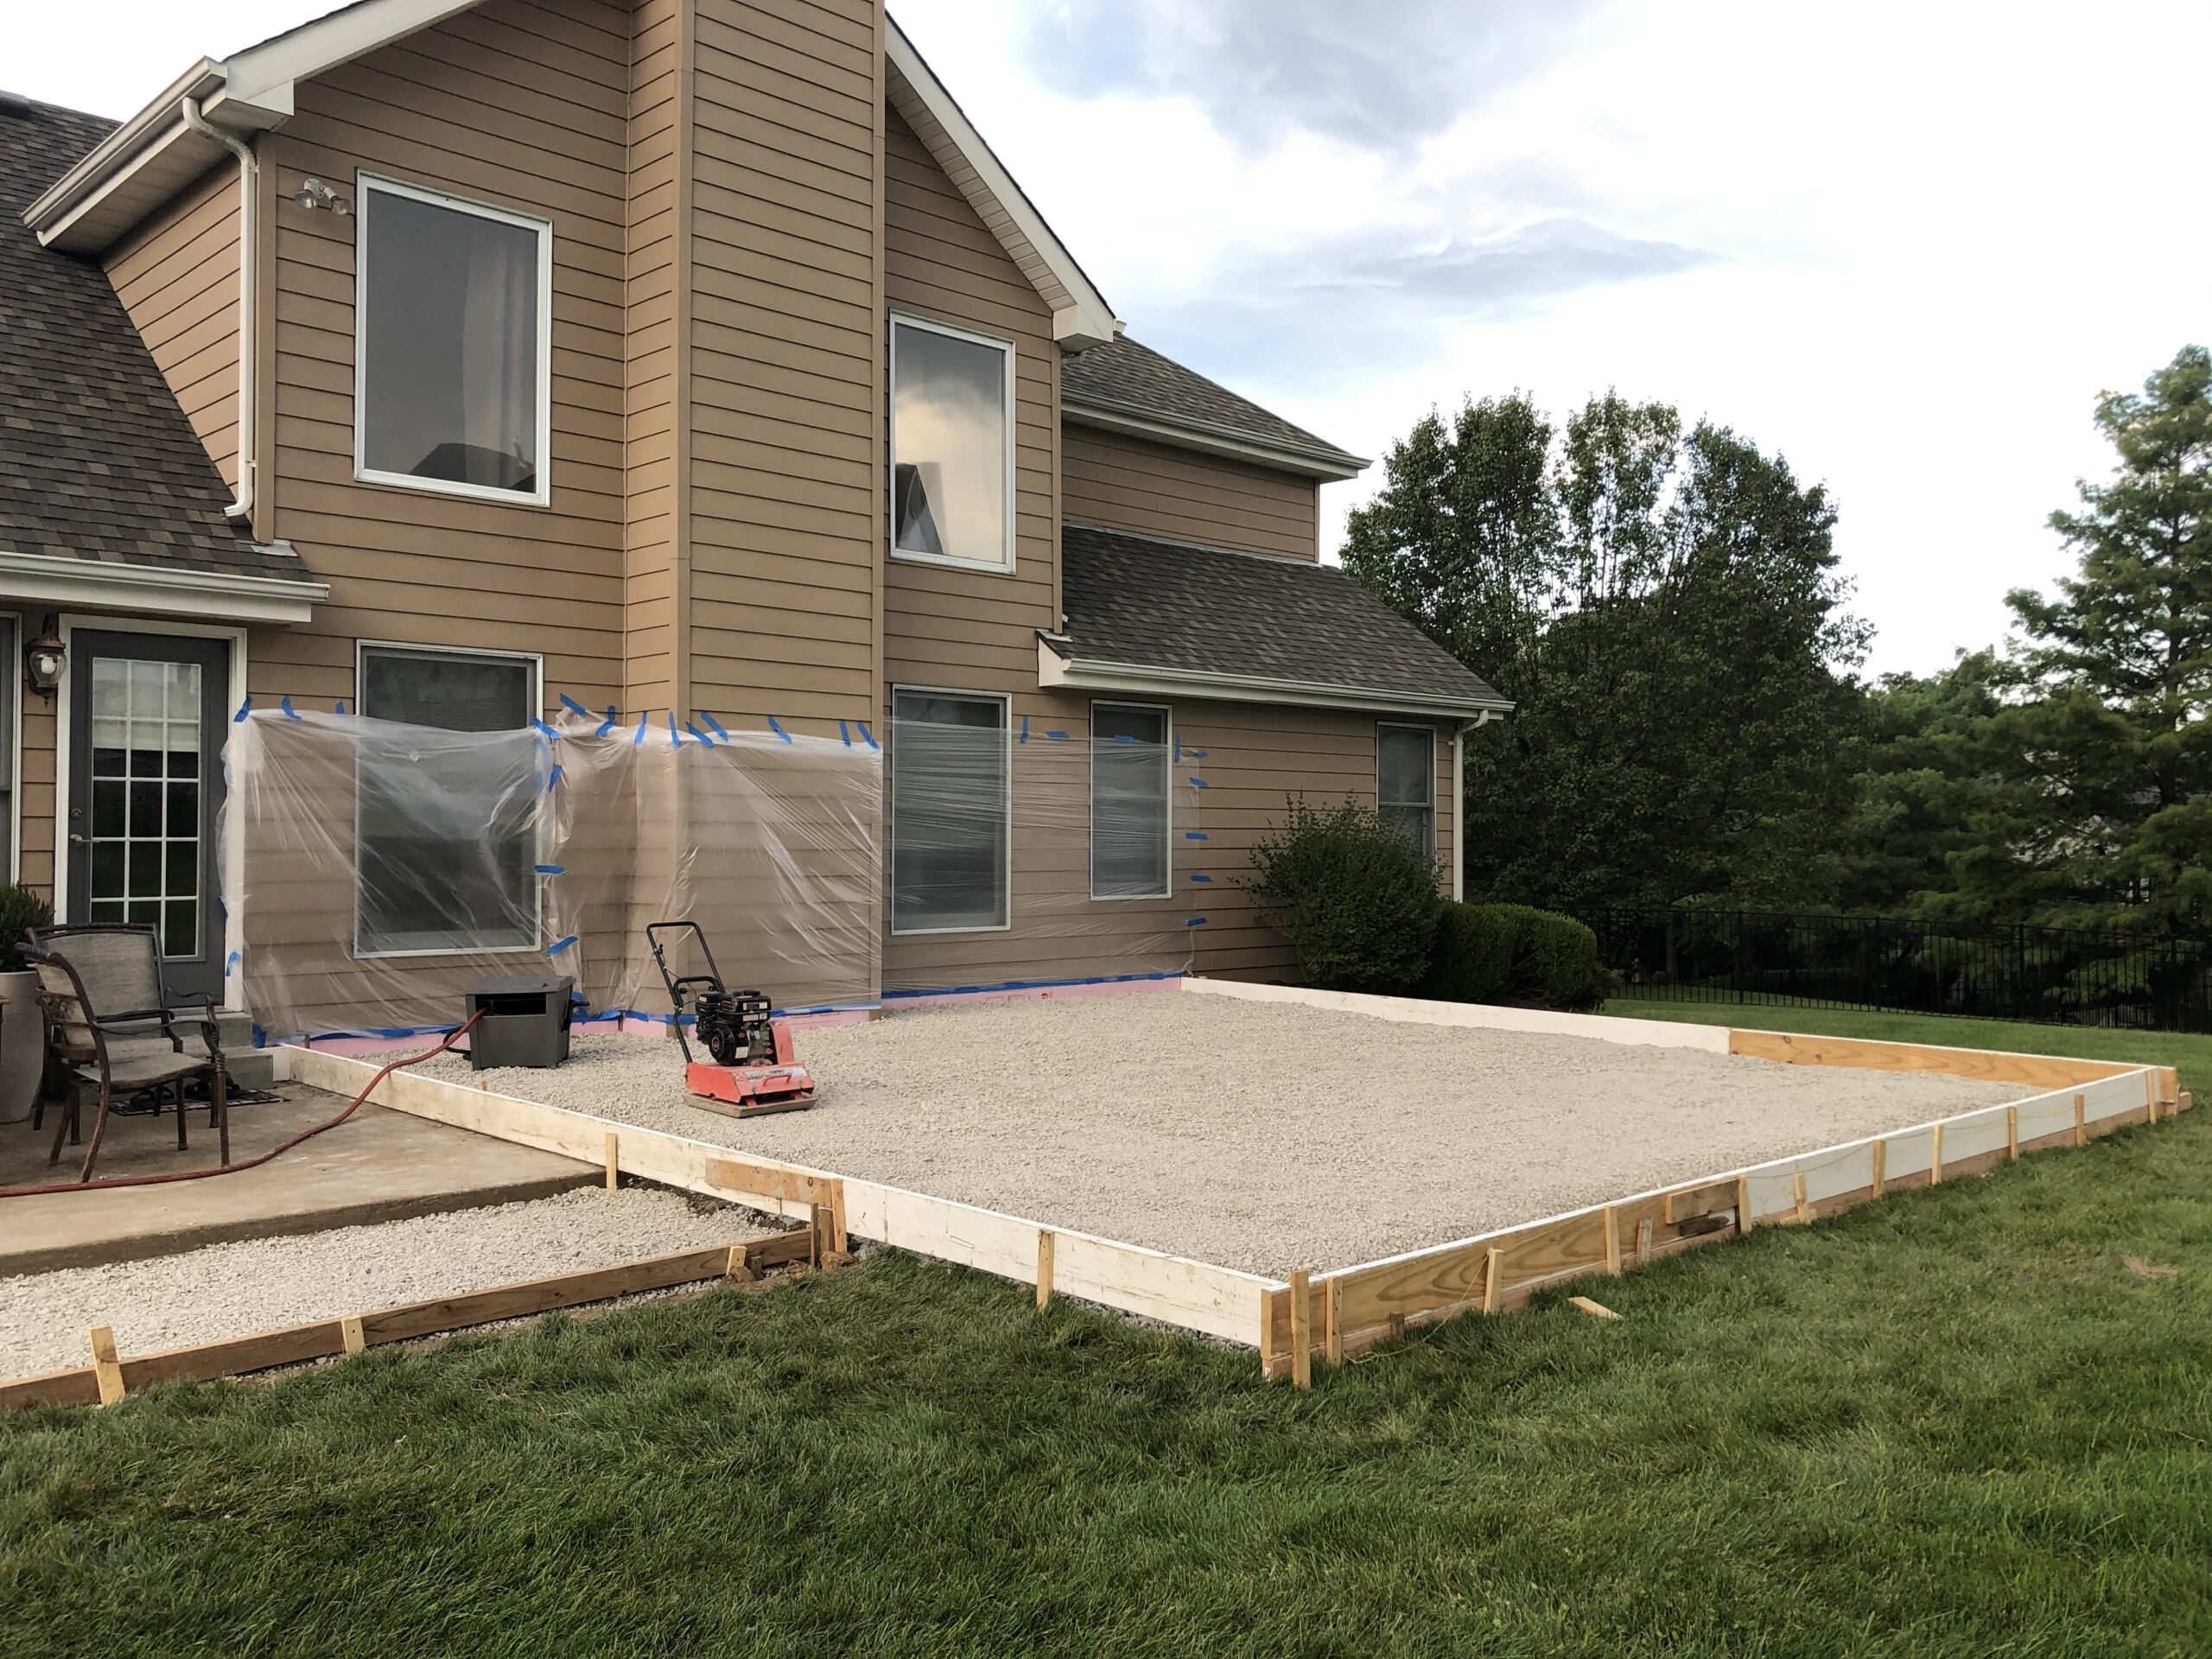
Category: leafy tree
<point>1663,607</point>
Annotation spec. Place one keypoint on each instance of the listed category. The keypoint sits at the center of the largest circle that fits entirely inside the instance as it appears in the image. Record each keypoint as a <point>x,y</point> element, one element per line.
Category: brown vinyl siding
<point>1119,482</point>
<point>654,301</point>
<point>177,275</point>
<point>786,388</point>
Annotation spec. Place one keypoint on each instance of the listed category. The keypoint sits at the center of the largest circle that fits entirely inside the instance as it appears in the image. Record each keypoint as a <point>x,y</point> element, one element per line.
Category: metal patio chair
<point>110,1021</point>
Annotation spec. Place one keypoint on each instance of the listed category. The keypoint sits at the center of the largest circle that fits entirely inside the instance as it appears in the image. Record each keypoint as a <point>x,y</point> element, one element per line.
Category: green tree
<point>1662,606</point>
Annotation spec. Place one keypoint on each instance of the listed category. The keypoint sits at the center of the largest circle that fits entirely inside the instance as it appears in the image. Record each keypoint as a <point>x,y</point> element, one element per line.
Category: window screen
<point>948,813</point>
<point>949,495</point>
<point>1405,780</point>
<point>452,382</point>
<point>1128,802</point>
<point>447,842</point>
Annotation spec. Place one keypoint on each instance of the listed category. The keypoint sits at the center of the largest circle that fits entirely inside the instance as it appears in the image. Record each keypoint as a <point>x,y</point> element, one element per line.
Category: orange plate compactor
<point>755,1068</point>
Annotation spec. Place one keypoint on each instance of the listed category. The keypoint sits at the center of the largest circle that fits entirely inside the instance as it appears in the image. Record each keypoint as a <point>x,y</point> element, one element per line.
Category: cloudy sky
<point>1905,244</point>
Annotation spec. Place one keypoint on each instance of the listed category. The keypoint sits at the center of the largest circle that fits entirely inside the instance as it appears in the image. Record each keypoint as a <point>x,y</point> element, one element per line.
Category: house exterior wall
<point>1118,482</point>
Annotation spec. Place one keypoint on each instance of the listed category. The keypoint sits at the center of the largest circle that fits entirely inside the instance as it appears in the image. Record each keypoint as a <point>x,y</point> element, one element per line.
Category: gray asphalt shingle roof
<point>1134,602</point>
<point>98,461</point>
<point>1126,376</point>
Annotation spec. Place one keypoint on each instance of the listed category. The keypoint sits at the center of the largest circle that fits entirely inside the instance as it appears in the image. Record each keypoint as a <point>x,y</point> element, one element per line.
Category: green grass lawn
<point>1966,1421</point>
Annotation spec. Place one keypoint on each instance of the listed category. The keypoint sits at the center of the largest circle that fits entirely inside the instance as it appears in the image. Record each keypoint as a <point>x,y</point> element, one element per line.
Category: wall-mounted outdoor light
<point>314,193</point>
<point>43,659</point>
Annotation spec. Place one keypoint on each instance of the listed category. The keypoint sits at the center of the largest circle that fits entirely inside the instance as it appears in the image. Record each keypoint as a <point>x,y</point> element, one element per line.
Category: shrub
<point>1355,896</point>
<point>1514,953</point>
<point>20,908</point>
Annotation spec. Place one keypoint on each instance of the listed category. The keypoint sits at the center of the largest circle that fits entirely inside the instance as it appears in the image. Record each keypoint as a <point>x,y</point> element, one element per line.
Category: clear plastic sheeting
<point>379,867</point>
<point>1020,853</point>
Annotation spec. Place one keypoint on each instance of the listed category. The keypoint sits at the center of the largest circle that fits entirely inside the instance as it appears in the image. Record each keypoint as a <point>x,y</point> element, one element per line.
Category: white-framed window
<point>452,344</point>
<point>951,812</point>
<point>951,446</point>
<point>1405,781</point>
<point>445,835</point>
<point>1128,800</point>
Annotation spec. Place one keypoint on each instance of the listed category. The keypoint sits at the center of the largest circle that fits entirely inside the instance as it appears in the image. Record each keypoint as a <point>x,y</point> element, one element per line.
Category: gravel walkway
<point>235,1290</point>
<point>1252,1134</point>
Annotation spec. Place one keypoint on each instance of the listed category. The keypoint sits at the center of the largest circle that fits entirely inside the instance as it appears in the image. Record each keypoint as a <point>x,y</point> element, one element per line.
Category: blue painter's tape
<point>229,965</point>
<point>1124,737</point>
<point>245,708</point>
<point>867,737</point>
<point>713,725</point>
<point>285,703</point>
<point>1057,737</point>
<point>1199,783</point>
<point>573,707</point>
<point>542,728</point>
<point>697,733</point>
<point>1196,921</point>
<point>1025,729</point>
<point>638,736</point>
<point>1194,835</point>
<point>559,945</point>
<point>551,869</point>
<point>1195,877</point>
<point>1195,755</point>
<point>674,742</point>
<point>340,708</point>
<point>846,732</point>
<point>1178,751</point>
<point>779,730</point>
<point>552,778</point>
<point>607,724</point>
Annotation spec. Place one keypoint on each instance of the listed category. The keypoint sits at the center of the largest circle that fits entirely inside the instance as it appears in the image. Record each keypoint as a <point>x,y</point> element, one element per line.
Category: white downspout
<point>249,227</point>
<point>1459,812</point>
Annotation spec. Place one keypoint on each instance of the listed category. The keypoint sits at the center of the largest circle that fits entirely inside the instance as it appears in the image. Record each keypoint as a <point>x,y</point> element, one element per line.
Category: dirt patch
<point>1256,1135</point>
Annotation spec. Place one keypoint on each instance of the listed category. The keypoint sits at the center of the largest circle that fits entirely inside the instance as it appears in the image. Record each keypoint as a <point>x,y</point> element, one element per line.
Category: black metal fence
<point>2063,975</point>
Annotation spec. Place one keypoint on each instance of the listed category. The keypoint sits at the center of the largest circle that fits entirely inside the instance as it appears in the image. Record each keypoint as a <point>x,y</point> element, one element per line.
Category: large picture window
<point>452,344</point>
<point>1405,781</point>
<point>951,447</point>
<point>446,833</point>
<point>1128,801</point>
<point>950,812</point>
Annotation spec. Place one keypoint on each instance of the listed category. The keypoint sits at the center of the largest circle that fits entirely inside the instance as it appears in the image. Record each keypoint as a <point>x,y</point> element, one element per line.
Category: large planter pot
<point>22,1046</point>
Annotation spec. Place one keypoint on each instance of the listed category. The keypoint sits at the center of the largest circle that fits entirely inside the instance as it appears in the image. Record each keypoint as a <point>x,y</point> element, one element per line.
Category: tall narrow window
<point>1128,801</point>
<point>949,812</point>
<point>447,831</point>
<point>951,450</point>
<point>451,346</point>
<point>1405,780</point>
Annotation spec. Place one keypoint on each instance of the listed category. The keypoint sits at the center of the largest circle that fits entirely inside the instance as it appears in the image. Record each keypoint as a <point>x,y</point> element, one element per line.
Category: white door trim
<point>233,851</point>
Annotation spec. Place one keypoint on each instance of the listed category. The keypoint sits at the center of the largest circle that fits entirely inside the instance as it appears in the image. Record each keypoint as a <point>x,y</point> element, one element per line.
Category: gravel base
<point>1256,1136</point>
<point>236,1290</point>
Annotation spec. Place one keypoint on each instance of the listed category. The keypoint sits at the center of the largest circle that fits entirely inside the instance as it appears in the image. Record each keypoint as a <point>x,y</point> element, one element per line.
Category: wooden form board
<point>1355,1307</point>
<point>1217,1301</point>
<point>324,1338</point>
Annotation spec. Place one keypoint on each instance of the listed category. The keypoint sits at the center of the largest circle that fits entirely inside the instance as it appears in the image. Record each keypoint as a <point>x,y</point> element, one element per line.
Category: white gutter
<point>1459,808</point>
<point>1208,439</point>
<point>207,595</point>
<point>249,199</point>
<point>1054,671</point>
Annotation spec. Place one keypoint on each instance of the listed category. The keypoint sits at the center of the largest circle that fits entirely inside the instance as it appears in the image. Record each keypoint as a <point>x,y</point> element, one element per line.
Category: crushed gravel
<point>238,1289</point>
<point>1256,1136</point>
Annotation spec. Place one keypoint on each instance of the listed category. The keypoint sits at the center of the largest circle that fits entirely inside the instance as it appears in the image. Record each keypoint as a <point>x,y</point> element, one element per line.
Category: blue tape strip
<point>1124,737</point>
<point>245,708</point>
<point>232,962</point>
<point>1024,738</point>
<point>1194,835</point>
<point>339,708</point>
<point>675,740</point>
<point>1199,783</point>
<point>551,869</point>
<point>1057,737</point>
<point>1196,921</point>
<point>285,703</point>
<point>1178,751</point>
<point>559,945</point>
<point>779,730</point>
<point>607,724</point>
<point>542,728</point>
<point>1198,754</point>
<point>697,733</point>
<point>552,778</point>
<point>573,707</point>
<point>638,736</point>
<point>1195,877</point>
<point>845,732</point>
<point>867,737</point>
<point>713,725</point>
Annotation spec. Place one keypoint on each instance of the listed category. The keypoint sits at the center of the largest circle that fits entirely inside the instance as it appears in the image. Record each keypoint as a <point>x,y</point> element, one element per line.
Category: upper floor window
<point>952,445</point>
<point>453,345</point>
<point>1405,781</point>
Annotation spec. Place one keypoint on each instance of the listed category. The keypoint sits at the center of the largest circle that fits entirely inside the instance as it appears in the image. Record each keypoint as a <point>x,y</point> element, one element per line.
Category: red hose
<point>250,1163</point>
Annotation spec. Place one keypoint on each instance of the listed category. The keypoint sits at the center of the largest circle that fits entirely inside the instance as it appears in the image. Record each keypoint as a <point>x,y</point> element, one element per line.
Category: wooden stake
<point>2151,1096</point>
<point>1804,1210</point>
<point>1612,1241</point>
<point>1743,1204</point>
<point>1881,1165</point>
<point>740,1266</point>
<point>1493,1281</point>
<point>1301,1333</point>
<point>1936,1155</point>
<point>349,1331</point>
<point>1333,1337</point>
<point>2012,1134</point>
<point>1643,1241</point>
<point>105,1364</point>
<point>2081,1120</point>
<point>1043,1268</point>
<point>613,1160</point>
<point>1595,1310</point>
<point>838,1241</point>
